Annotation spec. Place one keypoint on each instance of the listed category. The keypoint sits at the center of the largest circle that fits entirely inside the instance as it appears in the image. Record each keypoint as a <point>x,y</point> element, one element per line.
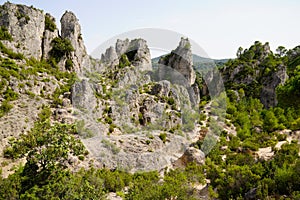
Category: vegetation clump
<point>60,47</point>
<point>49,23</point>
<point>4,34</point>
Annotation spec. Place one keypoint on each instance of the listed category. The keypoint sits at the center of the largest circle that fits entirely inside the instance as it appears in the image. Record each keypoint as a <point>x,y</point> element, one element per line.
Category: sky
<point>220,27</point>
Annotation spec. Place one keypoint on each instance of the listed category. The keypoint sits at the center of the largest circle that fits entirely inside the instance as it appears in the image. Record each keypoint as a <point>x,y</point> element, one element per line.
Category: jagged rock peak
<point>70,25</point>
<point>122,46</point>
<point>181,59</point>
<point>110,57</point>
<point>184,50</point>
<point>71,29</point>
<point>26,25</point>
<point>136,50</point>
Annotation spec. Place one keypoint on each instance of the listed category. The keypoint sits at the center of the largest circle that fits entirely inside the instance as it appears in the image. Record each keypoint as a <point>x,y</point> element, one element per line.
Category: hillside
<point>130,127</point>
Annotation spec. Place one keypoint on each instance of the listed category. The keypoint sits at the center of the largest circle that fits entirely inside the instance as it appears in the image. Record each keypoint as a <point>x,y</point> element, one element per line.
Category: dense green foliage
<point>242,171</point>
<point>256,62</point>
<point>49,24</point>
<point>60,47</point>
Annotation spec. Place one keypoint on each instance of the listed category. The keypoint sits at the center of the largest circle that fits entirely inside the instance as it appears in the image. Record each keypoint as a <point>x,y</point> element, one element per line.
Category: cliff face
<point>33,32</point>
<point>26,25</point>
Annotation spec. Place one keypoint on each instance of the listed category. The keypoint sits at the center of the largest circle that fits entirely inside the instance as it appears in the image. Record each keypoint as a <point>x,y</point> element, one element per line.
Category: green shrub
<point>163,137</point>
<point>49,24</point>
<point>124,62</point>
<point>5,108</point>
<point>108,120</point>
<point>4,34</point>
<point>81,157</point>
<point>111,127</point>
<point>10,95</point>
<point>60,48</point>
<point>69,64</point>
<point>171,101</point>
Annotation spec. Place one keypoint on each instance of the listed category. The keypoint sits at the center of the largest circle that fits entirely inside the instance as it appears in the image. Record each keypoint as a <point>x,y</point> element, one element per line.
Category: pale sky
<point>219,27</point>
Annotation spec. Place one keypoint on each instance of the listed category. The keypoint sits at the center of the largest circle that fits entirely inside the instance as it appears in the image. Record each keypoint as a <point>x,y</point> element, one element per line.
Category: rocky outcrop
<point>32,37</point>
<point>181,60</point>
<point>136,51</point>
<point>71,29</point>
<point>177,67</point>
<point>191,154</point>
<point>26,25</point>
<point>268,92</point>
<point>258,72</point>
<point>110,58</point>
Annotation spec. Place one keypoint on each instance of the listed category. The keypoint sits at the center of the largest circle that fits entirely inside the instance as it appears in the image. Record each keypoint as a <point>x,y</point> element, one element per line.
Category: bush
<point>60,48</point>
<point>69,64</point>
<point>111,127</point>
<point>4,34</point>
<point>163,137</point>
<point>10,95</point>
<point>5,108</point>
<point>123,62</point>
<point>49,23</point>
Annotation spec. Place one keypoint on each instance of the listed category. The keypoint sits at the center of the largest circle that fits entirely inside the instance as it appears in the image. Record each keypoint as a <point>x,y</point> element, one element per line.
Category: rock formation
<point>256,70</point>
<point>26,25</point>
<point>177,67</point>
<point>136,51</point>
<point>71,29</point>
<point>124,117</point>
<point>32,37</point>
<point>110,58</point>
<point>269,84</point>
<point>181,60</point>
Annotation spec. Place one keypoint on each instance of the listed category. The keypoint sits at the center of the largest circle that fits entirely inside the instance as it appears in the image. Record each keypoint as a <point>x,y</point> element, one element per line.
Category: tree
<point>281,51</point>
<point>60,48</point>
<point>239,52</point>
<point>270,121</point>
<point>46,148</point>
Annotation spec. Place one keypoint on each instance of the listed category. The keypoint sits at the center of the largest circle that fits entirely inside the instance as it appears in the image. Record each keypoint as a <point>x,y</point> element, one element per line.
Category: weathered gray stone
<point>26,25</point>
<point>181,59</point>
<point>71,29</point>
<point>110,57</point>
<point>137,52</point>
<point>268,92</point>
<point>83,96</point>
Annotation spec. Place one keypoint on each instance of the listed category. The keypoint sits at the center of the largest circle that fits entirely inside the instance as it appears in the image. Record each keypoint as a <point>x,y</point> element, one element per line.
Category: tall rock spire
<point>181,59</point>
